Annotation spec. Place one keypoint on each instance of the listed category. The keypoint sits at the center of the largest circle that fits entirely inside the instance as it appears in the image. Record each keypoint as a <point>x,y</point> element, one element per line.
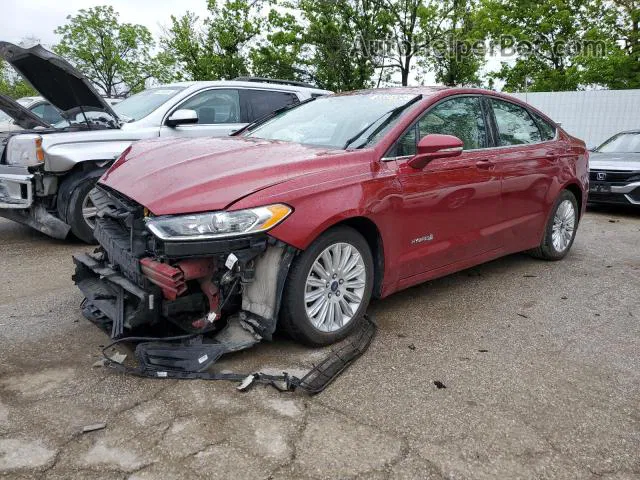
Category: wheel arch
<point>371,233</point>
<point>575,189</point>
<point>70,181</point>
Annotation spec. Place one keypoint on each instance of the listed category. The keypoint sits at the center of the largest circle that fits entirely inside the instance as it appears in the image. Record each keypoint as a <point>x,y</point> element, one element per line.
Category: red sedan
<point>298,220</point>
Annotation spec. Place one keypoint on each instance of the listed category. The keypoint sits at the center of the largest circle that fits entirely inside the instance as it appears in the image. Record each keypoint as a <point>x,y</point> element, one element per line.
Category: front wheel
<point>328,288</point>
<point>561,229</point>
<point>80,212</point>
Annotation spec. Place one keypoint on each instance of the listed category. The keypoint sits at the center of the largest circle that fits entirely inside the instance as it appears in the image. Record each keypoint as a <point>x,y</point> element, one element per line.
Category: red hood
<point>205,174</point>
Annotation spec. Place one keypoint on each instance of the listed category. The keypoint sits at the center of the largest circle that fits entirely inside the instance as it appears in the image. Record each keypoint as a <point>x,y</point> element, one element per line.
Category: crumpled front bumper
<point>16,191</point>
<point>18,203</point>
<point>112,299</point>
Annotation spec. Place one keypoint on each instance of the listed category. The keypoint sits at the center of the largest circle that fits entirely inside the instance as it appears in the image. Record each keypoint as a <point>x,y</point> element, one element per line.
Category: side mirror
<point>435,146</point>
<point>183,116</point>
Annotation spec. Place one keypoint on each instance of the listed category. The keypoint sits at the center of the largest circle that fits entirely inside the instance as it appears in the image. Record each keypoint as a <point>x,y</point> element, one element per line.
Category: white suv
<point>47,171</point>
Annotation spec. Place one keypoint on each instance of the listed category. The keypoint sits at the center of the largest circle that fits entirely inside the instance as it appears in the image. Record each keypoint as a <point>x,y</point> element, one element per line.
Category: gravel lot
<point>541,363</point>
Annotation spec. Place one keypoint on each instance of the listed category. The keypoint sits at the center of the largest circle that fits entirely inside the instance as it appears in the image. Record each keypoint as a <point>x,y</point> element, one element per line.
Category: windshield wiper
<point>253,125</point>
<point>391,114</point>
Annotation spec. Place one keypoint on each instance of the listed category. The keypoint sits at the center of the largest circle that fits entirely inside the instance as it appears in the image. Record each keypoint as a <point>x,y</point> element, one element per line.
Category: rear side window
<point>262,102</point>
<point>515,125</point>
<point>547,130</point>
<point>215,106</point>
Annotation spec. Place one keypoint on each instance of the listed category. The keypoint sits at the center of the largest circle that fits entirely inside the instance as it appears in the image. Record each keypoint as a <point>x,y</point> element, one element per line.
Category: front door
<point>450,208</point>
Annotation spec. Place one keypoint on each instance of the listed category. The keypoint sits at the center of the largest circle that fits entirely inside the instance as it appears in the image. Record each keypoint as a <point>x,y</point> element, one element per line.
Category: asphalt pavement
<point>515,369</point>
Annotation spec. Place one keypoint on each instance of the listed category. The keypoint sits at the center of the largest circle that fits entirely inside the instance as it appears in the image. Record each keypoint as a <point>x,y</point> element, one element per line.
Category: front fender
<point>63,157</point>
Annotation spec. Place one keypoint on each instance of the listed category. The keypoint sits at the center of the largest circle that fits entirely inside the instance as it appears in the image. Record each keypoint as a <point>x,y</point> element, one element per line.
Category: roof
<point>251,84</point>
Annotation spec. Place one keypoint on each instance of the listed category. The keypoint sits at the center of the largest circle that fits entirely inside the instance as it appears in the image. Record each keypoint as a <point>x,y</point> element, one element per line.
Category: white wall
<point>593,115</point>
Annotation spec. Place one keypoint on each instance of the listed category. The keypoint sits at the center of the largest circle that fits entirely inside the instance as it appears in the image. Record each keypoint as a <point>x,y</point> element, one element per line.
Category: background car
<point>39,106</point>
<point>325,205</point>
<point>614,170</point>
<point>46,175</point>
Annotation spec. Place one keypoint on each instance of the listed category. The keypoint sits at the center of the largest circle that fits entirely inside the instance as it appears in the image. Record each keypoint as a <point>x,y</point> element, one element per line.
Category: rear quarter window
<point>547,131</point>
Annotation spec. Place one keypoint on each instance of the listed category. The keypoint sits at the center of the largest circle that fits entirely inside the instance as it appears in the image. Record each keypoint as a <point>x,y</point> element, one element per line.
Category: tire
<point>562,217</point>
<point>74,216</point>
<point>294,317</point>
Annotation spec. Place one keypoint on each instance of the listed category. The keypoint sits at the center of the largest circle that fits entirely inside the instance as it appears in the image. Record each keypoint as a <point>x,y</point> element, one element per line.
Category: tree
<point>11,83</point>
<point>341,36</point>
<point>615,26</point>
<point>114,56</point>
<point>457,45</point>
<point>545,35</point>
<point>217,49</point>
<point>280,53</point>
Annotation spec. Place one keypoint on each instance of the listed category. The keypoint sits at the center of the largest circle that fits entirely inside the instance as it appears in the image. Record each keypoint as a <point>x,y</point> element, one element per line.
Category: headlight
<point>218,224</point>
<point>25,150</point>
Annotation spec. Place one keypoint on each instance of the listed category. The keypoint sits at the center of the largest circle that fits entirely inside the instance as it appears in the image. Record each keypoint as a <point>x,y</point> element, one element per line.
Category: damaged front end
<point>137,282</point>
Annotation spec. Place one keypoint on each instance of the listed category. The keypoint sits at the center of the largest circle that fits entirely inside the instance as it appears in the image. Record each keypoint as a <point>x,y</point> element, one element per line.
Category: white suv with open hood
<point>47,171</point>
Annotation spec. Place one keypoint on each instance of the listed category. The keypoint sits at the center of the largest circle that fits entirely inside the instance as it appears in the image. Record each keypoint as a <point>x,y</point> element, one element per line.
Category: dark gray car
<point>614,170</point>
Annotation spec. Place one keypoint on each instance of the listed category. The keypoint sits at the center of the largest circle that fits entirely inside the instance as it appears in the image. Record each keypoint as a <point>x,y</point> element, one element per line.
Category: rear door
<point>260,102</point>
<point>218,110</point>
<point>450,208</point>
<point>527,161</point>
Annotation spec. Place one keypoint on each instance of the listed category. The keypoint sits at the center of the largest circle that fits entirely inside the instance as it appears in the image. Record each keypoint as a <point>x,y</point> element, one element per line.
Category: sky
<point>38,18</point>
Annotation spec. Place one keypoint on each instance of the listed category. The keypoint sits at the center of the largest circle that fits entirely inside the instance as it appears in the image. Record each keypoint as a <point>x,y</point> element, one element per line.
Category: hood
<point>21,116</point>
<point>206,174</point>
<point>54,78</point>
<point>614,161</point>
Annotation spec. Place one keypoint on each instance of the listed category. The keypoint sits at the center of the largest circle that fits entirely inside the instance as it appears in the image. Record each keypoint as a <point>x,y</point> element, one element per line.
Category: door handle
<point>484,163</point>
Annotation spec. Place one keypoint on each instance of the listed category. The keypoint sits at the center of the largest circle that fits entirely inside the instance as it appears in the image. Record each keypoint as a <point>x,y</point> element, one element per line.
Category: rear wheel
<point>561,229</point>
<point>328,288</point>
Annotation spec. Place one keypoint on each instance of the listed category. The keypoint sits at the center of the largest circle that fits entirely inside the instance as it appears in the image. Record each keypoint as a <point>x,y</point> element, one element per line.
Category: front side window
<point>515,125</point>
<point>263,102</point>
<point>461,117</point>
<point>142,104</point>
<point>215,106</point>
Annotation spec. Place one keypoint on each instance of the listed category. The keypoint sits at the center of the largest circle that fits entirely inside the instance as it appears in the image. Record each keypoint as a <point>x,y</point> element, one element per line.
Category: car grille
<point>120,232</point>
<point>615,176</point>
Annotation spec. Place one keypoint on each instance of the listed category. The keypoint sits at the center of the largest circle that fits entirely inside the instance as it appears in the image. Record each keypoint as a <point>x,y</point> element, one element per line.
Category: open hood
<point>54,78</point>
<point>21,116</point>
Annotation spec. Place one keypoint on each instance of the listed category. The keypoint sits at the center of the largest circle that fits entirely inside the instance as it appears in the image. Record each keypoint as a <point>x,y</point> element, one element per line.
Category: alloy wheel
<point>335,287</point>
<point>564,223</point>
<point>89,212</point>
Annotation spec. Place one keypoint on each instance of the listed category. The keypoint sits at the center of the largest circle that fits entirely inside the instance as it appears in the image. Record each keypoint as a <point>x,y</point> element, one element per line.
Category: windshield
<point>142,104</point>
<point>336,121</point>
<point>621,143</point>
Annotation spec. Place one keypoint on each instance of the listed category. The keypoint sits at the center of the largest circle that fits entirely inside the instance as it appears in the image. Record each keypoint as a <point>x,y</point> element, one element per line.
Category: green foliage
<point>279,54</point>
<point>12,85</point>
<point>217,49</point>
<point>115,56</point>
<point>338,35</point>
<point>616,25</point>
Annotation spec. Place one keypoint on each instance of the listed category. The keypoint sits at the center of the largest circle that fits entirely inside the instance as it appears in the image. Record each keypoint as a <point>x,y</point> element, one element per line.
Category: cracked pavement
<point>541,363</point>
